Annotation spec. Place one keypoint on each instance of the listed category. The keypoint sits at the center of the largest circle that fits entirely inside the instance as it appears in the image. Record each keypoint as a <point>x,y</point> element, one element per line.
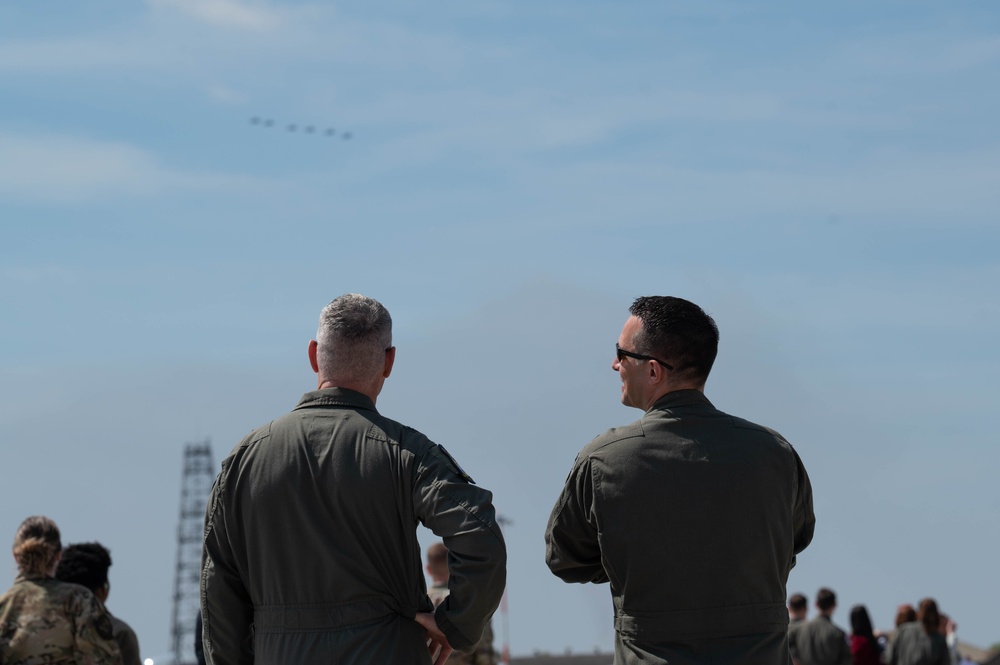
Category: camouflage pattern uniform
<point>483,654</point>
<point>45,621</point>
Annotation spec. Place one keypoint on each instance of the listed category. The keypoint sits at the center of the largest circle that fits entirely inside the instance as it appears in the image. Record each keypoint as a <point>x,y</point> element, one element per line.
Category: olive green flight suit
<point>311,554</point>
<point>694,517</point>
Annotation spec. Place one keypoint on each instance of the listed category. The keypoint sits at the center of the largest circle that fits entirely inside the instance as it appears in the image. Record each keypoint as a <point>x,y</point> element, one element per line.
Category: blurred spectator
<point>905,614</point>
<point>87,564</point>
<point>920,642</point>
<point>821,642</point>
<point>798,608</point>
<point>949,629</point>
<point>45,620</point>
<point>865,649</point>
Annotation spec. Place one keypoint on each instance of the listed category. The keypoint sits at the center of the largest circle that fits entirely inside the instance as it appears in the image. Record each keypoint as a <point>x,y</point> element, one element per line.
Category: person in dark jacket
<point>311,554</point>
<point>692,515</point>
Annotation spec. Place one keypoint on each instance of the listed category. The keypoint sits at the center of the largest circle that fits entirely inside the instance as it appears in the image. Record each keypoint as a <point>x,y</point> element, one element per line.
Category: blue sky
<point>823,180</point>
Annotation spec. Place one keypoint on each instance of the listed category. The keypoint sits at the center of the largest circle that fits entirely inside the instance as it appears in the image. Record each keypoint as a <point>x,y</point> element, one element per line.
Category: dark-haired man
<point>87,564</point>
<point>693,516</point>
<point>311,554</point>
<point>798,609</point>
<point>820,642</point>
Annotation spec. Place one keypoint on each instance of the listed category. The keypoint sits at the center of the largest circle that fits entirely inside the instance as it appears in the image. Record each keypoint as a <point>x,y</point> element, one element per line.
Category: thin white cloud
<point>225,95</point>
<point>62,169</point>
<point>225,13</point>
<point>65,168</point>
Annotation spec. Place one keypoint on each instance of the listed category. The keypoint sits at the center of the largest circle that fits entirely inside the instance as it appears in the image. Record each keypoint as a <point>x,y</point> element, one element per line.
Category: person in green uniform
<point>692,515</point>
<point>311,554</point>
<point>87,564</point>
<point>43,620</point>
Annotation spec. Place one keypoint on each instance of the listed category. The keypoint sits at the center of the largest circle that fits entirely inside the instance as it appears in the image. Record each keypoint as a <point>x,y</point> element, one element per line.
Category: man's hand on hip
<point>437,643</point>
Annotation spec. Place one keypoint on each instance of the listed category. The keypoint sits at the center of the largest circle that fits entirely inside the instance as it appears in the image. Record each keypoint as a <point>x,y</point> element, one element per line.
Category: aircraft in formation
<point>267,123</point>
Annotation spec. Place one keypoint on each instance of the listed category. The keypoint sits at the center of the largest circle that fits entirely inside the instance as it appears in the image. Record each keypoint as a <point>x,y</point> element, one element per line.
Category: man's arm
<point>226,608</point>
<point>572,550</point>
<point>804,518</point>
<point>462,514</point>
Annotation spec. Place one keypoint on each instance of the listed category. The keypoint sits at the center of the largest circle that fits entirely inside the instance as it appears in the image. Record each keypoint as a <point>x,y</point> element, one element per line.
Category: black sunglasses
<point>622,354</point>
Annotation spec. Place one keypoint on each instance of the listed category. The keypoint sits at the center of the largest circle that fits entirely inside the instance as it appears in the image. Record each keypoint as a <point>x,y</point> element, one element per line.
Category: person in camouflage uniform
<point>437,568</point>
<point>87,564</point>
<point>43,620</point>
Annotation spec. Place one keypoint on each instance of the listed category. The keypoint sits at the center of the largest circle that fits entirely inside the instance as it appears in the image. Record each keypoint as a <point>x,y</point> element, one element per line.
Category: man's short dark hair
<point>85,564</point>
<point>677,331</point>
<point>798,602</point>
<point>826,599</point>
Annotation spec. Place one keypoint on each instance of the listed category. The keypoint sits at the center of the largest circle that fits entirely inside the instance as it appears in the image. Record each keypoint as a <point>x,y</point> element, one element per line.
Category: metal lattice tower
<point>195,489</point>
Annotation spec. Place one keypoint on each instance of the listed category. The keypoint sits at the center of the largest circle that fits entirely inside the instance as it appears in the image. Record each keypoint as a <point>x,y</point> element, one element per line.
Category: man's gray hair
<point>354,332</point>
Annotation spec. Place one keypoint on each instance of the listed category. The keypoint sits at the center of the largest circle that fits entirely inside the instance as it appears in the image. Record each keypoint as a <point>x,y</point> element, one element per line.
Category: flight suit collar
<point>336,397</point>
<point>680,399</point>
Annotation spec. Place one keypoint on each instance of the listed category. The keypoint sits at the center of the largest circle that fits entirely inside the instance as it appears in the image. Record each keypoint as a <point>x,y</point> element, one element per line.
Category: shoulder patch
<point>458,469</point>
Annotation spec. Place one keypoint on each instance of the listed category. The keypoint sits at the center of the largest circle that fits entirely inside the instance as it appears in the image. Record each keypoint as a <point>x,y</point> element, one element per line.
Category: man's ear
<point>655,371</point>
<point>312,356</point>
<point>390,358</point>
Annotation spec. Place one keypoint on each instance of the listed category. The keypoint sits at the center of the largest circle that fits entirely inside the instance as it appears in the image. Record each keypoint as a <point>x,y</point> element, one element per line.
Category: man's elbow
<point>575,572</point>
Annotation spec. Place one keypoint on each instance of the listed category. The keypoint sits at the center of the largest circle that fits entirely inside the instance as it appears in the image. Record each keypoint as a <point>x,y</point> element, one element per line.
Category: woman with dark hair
<point>43,620</point>
<point>864,646</point>
<point>919,642</point>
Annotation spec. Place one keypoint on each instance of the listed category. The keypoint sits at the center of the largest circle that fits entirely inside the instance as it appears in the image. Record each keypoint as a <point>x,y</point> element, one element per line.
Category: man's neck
<point>367,391</point>
<point>657,396</point>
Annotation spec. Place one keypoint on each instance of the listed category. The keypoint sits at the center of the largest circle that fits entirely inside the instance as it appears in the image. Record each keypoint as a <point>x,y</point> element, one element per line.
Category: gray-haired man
<point>311,554</point>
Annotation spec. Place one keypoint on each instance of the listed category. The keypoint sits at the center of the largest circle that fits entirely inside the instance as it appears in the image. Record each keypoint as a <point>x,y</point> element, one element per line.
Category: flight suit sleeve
<point>226,608</point>
<point>572,549</point>
<point>95,640</point>
<point>804,519</point>
<point>462,515</point>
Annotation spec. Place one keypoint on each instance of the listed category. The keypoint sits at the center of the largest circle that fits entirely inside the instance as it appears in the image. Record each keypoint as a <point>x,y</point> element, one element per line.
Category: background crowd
<point>922,635</point>
<point>55,612</point>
